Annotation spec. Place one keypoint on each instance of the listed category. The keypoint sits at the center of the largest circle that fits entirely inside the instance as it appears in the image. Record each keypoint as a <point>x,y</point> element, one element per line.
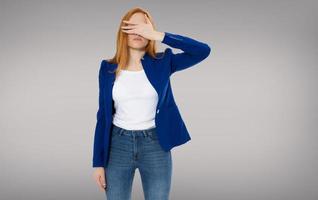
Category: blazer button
<point>157,111</point>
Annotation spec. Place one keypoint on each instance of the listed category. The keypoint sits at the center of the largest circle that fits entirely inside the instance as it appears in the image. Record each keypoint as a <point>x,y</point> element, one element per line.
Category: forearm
<point>100,125</point>
<point>194,51</point>
<point>186,44</point>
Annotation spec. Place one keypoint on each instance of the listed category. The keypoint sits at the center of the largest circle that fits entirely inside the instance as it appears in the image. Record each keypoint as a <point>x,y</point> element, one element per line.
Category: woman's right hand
<point>99,177</point>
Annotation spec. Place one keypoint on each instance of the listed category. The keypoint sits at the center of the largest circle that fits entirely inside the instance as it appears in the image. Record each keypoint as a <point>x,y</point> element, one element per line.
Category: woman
<point>138,121</point>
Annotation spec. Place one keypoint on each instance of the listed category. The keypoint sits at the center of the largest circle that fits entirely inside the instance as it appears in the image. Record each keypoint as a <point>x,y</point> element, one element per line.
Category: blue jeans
<point>131,149</point>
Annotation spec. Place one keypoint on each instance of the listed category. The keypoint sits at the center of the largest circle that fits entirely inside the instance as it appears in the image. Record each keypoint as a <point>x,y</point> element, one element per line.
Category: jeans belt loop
<point>121,131</point>
<point>144,132</point>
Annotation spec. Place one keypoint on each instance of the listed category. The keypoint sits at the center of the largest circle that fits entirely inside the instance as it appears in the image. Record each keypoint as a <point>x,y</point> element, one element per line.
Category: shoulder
<point>107,67</point>
<point>164,54</point>
<point>104,65</point>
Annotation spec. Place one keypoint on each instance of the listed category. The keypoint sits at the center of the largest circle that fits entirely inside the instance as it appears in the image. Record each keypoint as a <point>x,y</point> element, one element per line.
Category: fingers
<point>128,27</point>
<point>100,180</point>
<point>129,22</point>
<point>147,19</point>
<point>128,31</point>
<point>102,183</point>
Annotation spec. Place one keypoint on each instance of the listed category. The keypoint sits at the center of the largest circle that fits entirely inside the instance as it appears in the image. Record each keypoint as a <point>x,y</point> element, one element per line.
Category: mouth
<point>137,39</point>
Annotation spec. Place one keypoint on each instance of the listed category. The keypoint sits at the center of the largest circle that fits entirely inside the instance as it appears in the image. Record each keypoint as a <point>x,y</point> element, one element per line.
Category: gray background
<point>250,107</point>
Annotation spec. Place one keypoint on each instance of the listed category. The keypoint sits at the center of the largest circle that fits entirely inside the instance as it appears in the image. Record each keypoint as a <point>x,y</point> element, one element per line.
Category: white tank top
<point>135,101</point>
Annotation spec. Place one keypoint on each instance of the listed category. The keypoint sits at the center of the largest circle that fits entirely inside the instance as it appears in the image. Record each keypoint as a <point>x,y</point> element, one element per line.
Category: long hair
<point>122,54</point>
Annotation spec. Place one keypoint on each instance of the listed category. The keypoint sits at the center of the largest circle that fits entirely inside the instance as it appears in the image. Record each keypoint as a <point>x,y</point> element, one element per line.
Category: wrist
<point>159,35</point>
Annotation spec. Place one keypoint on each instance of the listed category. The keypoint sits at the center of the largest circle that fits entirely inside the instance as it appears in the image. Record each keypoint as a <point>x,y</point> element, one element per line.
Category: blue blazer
<point>170,127</point>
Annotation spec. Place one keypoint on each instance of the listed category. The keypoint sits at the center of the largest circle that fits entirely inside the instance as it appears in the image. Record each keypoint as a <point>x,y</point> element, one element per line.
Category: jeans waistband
<point>141,132</point>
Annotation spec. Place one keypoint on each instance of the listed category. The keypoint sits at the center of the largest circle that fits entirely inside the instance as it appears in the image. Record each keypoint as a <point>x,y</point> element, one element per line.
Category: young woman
<point>138,121</point>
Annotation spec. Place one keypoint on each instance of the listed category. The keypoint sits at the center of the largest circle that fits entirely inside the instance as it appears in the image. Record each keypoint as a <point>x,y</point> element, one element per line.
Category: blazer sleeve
<point>194,51</point>
<point>98,151</point>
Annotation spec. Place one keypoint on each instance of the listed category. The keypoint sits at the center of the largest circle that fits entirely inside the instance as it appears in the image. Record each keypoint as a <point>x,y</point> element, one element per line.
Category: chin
<point>137,46</point>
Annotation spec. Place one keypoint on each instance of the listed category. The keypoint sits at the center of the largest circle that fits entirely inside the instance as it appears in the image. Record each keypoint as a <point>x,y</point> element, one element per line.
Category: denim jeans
<point>132,149</point>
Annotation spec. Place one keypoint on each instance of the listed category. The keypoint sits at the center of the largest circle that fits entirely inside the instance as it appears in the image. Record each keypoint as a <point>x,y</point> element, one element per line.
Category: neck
<point>135,56</point>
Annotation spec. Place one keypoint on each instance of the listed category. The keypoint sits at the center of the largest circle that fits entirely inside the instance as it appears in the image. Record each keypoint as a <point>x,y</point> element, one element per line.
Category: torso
<point>135,100</point>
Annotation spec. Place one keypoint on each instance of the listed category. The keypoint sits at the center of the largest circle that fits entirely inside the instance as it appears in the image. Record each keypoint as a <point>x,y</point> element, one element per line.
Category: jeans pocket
<point>115,133</point>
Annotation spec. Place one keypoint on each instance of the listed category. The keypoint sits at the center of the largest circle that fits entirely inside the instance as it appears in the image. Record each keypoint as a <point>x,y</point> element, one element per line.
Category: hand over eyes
<point>145,30</point>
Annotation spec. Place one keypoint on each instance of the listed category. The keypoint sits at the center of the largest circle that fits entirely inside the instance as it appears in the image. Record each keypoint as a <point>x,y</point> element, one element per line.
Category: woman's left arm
<point>194,51</point>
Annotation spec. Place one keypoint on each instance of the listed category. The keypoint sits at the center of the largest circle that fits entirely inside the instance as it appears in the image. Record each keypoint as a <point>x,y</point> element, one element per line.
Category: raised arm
<point>194,51</point>
<point>98,160</point>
